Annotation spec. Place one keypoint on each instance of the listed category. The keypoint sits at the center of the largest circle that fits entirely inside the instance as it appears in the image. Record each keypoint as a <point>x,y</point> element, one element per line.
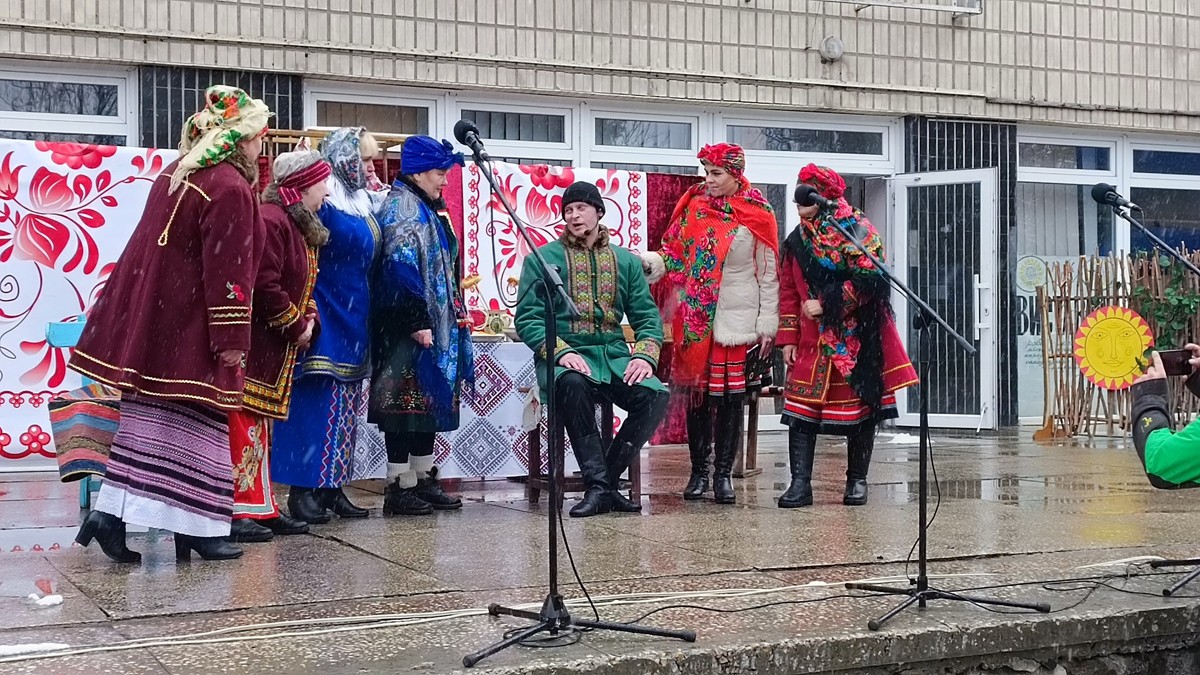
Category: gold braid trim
<point>162,238</point>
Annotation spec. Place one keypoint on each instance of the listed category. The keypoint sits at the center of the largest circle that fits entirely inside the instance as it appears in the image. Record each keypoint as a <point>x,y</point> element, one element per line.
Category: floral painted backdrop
<point>494,249</point>
<point>66,212</point>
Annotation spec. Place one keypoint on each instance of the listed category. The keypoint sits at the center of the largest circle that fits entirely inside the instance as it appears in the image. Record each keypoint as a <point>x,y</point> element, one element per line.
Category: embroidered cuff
<point>559,349</point>
<point>228,315</point>
<point>789,326</point>
<point>649,350</point>
<point>285,318</point>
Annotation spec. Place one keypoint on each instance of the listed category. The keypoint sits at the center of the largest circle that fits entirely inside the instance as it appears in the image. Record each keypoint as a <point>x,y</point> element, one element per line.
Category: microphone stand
<point>1126,214</point>
<point>919,592</point>
<point>553,618</point>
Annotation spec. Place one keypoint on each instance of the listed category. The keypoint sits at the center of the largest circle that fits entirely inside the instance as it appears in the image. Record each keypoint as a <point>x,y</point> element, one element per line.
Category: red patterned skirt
<point>249,445</point>
<point>727,374</point>
<point>842,412</point>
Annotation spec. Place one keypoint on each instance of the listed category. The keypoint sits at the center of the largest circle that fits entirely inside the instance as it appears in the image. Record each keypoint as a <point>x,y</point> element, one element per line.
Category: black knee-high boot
<point>726,440</point>
<point>802,447</point>
<point>858,460</point>
<point>699,433</point>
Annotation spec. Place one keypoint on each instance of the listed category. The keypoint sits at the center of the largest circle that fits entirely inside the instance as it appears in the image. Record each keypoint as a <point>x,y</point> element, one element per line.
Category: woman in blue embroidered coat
<point>420,334</point>
<point>311,450</point>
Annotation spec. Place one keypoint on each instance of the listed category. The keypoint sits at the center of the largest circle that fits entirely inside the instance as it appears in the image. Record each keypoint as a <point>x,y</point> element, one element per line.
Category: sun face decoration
<point>1109,347</point>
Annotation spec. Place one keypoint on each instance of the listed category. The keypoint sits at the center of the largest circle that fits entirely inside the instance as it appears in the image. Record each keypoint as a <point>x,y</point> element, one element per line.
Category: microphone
<point>1104,193</point>
<point>467,133</point>
<point>807,195</point>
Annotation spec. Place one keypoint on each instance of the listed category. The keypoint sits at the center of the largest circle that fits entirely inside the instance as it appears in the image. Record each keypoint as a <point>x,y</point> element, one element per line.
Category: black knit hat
<point>583,191</point>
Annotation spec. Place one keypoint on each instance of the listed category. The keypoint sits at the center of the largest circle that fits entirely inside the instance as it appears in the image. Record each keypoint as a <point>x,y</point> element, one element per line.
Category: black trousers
<point>400,445</point>
<point>577,397</point>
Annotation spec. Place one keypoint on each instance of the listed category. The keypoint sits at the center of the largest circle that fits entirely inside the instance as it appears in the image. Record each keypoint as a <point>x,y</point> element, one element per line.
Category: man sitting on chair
<point>593,361</point>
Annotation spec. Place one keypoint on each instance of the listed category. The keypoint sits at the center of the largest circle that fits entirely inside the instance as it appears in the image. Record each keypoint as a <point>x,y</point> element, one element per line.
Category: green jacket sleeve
<point>530,318</point>
<point>643,314</point>
<point>1171,459</point>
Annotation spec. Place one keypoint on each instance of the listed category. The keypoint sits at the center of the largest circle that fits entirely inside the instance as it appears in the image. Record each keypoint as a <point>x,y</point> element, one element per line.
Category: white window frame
<point>125,79</point>
<point>369,94</point>
<point>567,151</point>
<point>593,153</point>
<point>1069,176</point>
<point>883,164</point>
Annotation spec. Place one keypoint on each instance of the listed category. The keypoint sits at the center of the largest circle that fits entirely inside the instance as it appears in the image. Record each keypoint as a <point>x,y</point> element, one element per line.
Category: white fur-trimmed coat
<point>748,298</point>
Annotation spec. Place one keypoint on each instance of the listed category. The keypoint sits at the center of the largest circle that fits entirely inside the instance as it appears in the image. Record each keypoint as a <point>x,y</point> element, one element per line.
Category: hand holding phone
<point>1176,362</point>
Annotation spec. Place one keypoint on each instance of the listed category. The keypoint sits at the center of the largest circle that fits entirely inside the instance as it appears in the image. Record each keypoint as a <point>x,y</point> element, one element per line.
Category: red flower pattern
<point>549,177</point>
<point>35,440</point>
<point>77,155</point>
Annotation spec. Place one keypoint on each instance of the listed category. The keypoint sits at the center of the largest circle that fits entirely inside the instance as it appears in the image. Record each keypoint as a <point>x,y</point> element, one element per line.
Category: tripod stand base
<point>921,596</point>
<point>1192,576</point>
<point>554,619</point>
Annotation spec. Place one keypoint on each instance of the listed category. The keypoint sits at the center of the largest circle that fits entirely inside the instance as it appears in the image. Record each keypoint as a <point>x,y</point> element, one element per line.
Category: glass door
<point>945,250</point>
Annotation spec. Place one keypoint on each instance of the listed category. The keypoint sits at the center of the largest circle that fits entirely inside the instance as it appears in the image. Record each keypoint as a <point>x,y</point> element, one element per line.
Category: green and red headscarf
<point>211,135</point>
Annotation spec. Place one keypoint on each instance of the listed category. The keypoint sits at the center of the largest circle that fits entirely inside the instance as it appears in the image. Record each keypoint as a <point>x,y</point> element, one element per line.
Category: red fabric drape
<point>663,192</point>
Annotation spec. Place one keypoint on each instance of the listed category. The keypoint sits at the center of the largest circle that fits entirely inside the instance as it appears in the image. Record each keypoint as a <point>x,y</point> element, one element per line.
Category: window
<point>387,119</point>
<point>823,141</point>
<point>94,139</point>
<point>1061,221</point>
<point>1166,162</point>
<point>1054,156</point>
<point>652,168</point>
<point>1172,214</point>
<point>530,161</point>
<point>643,134</point>
<point>39,103</point>
<point>59,98</point>
<point>518,126</point>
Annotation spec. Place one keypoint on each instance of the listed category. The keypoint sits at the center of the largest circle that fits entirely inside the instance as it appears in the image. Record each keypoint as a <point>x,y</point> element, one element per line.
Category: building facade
<point>971,130</point>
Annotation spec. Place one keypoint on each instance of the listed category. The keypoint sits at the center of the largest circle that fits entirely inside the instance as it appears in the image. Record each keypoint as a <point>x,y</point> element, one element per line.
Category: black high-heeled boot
<point>303,504</point>
<point>802,447</point>
<point>108,531</point>
<point>699,433</point>
<point>336,500</point>
<point>726,442</point>
<point>209,548</point>
<point>858,460</point>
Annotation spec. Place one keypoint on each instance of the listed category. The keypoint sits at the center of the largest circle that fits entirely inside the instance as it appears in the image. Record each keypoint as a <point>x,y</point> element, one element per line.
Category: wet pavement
<point>1013,516</point>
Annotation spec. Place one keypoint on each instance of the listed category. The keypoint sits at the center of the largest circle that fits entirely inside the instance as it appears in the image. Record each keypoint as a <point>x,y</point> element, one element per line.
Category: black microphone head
<point>1101,193</point>
<point>807,195</point>
<point>462,128</point>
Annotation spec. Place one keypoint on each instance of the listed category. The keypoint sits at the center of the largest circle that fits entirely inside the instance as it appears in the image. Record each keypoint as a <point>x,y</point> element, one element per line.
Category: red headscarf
<point>829,184</point>
<point>727,156</point>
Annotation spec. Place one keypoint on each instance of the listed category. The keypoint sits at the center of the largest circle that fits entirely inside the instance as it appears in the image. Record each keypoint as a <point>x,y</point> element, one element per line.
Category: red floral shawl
<point>694,249</point>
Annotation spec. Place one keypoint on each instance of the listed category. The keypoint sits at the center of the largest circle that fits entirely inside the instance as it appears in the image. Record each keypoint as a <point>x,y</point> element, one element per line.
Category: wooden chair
<point>538,481</point>
<point>746,462</point>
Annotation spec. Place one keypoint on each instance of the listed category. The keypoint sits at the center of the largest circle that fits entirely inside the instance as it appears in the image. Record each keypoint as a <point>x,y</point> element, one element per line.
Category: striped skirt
<point>169,468</point>
<point>727,370</point>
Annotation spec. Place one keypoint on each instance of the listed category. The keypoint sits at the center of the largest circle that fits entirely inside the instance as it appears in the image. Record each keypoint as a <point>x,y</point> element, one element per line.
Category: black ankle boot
<point>429,489</point>
<point>303,504</point>
<point>398,501</point>
<point>284,524</point>
<point>248,531</point>
<point>108,531</point>
<point>595,501</point>
<point>699,431</point>
<point>801,449</point>
<point>859,448</point>
<point>209,548</point>
<point>336,500</point>
<point>726,442</point>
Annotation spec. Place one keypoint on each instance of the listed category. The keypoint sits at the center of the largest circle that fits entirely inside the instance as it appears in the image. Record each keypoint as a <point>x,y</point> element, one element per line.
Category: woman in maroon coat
<point>284,324</point>
<point>844,356</point>
<point>171,332</point>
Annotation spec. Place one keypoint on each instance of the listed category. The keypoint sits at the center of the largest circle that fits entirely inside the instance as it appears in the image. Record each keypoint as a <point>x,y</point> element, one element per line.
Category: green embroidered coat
<point>606,283</point>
